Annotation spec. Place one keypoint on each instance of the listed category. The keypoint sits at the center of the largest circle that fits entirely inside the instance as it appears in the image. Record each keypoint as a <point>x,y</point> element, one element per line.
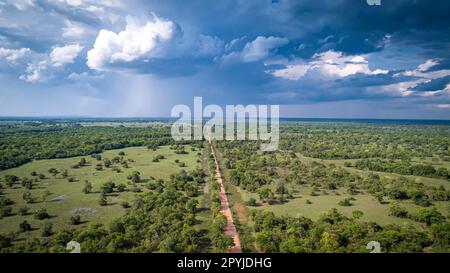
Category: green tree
<point>24,226</point>
<point>47,229</point>
<point>87,187</point>
<point>41,214</point>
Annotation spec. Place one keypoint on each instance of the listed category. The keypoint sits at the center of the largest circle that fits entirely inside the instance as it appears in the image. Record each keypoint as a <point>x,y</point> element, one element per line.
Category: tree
<point>53,171</point>
<point>357,214</point>
<point>27,183</point>
<point>396,210</point>
<point>135,177</point>
<point>47,229</point>
<point>107,162</point>
<point>265,194</point>
<point>10,180</point>
<point>87,187</point>
<point>345,202</point>
<point>125,204</point>
<point>24,226</point>
<point>41,214</point>
<point>82,162</point>
<point>429,216</point>
<point>108,187</point>
<point>121,187</point>
<point>251,202</point>
<point>27,197</point>
<point>75,219</point>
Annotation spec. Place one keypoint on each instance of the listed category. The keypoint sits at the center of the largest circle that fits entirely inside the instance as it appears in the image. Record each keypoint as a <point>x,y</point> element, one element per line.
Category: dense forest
<point>21,143</point>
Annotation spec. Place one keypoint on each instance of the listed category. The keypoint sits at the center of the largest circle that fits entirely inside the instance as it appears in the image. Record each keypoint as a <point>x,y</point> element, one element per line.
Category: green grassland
<point>372,209</point>
<point>67,199</point>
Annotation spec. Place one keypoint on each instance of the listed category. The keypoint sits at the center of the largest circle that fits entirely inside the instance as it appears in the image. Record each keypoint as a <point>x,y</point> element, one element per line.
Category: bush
<point>345,202</point>
<point>396,210</point>
<point>108,187</point>
<point>24,226</point>
<point>87,187</point>
<point>251,202</point>
<point>75,220</point>
<point>47,230</point>
<point>41,214</point>
<point>125,204</point>
<point>121,187</point>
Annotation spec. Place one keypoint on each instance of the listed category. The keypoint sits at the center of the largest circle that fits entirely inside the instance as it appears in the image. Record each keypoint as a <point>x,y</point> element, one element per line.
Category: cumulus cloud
<point>328,65</point>
<point>257,50</point>
<point>42,66</point>
<point>65,54</point>
<point>13,55</point>
<point>36,72</point>
<point>135,42</point>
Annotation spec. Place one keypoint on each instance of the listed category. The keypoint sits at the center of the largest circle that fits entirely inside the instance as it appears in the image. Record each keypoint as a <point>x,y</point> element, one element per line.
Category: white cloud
<point>427,65</point>
<point>257,50</point>
<point>73,30</point>
<point>422,71</point>
<point>328,65</point>
<point>135,42</point>
<point>84,77</point>
<point>43,66</point>
<point>13,55</point>
<point>65,54</point>
<point>420,75</point>
<point>36,72</point>
<point>292,72</point>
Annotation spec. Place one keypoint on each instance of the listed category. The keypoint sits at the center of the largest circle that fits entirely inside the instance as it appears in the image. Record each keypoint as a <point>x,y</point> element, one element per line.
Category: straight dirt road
<point>230,229</point>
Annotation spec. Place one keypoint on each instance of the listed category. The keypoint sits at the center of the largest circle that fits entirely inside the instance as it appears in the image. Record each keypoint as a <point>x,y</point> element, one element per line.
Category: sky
<point>316,59</point>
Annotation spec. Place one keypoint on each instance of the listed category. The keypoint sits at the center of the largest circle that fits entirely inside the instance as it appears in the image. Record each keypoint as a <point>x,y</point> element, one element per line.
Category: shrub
<point>41,214</point>
<point>75,220</point>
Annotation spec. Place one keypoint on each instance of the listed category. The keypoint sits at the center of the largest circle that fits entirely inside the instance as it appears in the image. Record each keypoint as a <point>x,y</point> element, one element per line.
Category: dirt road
<point>230,229</point>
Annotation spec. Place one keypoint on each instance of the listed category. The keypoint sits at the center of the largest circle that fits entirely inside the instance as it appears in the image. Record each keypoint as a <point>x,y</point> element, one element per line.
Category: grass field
<point>67,199</point>
<point>372,209</point>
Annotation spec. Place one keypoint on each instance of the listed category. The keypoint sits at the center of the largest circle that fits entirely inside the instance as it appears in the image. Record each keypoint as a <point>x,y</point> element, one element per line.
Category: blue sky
<point>330,58</point>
